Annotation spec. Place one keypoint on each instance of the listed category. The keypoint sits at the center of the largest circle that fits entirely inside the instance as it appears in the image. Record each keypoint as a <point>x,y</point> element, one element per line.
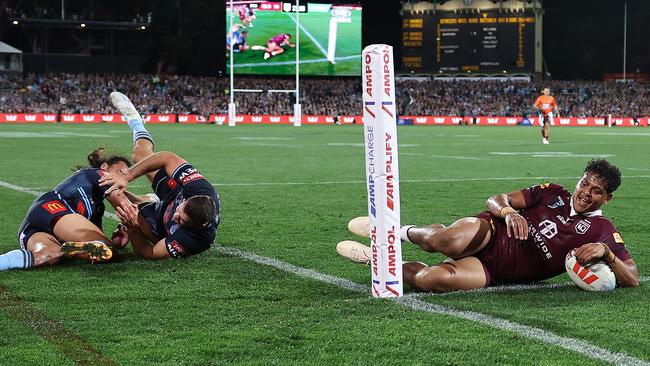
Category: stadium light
<point>83,25</point>
<point>143,27</point>
<point>15,22</point>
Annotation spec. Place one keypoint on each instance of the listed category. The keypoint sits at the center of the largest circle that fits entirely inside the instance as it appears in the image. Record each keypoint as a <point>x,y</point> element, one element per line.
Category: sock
<point>404,233</point>
<point>139,131</point>
<point>16,259</point>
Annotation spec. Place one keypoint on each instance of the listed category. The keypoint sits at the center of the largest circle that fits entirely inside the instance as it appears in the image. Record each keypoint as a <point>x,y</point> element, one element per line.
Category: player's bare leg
<point>463,274</point>
<point>45,248</point>
<point>82,238</point>
<point>463,238</point>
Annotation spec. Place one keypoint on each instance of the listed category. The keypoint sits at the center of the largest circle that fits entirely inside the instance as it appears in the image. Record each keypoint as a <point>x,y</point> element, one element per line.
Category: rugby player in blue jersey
<point>70,213</point>
<point>184,221</point>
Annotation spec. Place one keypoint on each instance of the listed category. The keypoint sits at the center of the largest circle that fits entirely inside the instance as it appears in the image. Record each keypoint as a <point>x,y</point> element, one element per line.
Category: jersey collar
<point>587,214</point>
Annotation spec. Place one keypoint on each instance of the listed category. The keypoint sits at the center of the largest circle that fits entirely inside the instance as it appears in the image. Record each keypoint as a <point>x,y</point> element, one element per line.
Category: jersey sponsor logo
<point>548,228</point>
<point>618,238</point>
<point>539,241</point>
<point>556,203</point>
<point>189,175</point>
<point>582,226</point>
<point>54,207</point>
<point>175,249</point>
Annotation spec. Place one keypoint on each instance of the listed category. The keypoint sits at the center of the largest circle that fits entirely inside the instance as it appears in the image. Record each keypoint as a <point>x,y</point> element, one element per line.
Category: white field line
<point>311,36</point>
<point>440,180</point>
<point>283,63</point>
<point>507,288</point>
<point>541,335</point>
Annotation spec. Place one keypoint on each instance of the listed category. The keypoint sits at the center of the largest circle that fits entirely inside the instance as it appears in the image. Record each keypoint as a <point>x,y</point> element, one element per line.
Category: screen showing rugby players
<point>262,36</point>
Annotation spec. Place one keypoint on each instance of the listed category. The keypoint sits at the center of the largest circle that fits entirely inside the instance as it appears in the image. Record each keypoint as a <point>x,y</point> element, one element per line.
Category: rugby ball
<point>593,277</point>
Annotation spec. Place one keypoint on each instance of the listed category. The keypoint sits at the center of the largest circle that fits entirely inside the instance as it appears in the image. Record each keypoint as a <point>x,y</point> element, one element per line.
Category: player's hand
<point>516,226</point>
<point>127,212</point>
<point>117,181</point>
<point>590,253</point>
<point>120,237</point>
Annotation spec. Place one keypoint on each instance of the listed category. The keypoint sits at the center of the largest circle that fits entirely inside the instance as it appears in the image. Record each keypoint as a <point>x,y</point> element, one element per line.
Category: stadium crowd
<point>87,93</point>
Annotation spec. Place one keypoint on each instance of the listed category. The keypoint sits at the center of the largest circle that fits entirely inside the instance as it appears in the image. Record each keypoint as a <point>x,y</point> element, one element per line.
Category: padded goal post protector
<point>382,173</point>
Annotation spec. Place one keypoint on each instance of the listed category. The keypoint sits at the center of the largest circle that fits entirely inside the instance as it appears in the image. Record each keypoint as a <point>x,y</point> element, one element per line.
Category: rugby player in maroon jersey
<point>523,237</point>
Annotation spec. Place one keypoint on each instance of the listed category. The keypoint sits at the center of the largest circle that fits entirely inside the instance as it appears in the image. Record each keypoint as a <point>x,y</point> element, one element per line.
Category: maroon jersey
<point>279,39</point>
<point>554,229</point>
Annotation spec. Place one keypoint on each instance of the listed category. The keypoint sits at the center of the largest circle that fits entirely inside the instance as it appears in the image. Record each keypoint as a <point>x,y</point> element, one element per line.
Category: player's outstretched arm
<point>128,215</point>
<point>161,160</point>
<point>506,206</point>
<point>627,275</point>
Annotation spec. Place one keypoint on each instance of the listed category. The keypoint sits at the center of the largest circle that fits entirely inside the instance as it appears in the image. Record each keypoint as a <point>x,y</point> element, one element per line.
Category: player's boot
<point>124,105</point>
<point>360,226</point>
<point>266,55</point>
<point>354,251</point>
<point>93,251</point>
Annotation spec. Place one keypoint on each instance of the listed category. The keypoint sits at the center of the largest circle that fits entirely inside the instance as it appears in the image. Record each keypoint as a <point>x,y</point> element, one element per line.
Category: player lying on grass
<point>275,44</point>
<point>70,213</point>
<point>523,237</point>
<point>184,221</point>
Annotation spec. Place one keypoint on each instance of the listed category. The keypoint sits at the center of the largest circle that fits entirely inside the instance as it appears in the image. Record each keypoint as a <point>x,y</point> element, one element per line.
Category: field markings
<point>69,343</point>
<point>432,180</point>
<point>507,288</point>
<point>550,154</point>
<point>571,344</point>
<point>457,157</point>
<point>284,63</point>
<point>311,36</point>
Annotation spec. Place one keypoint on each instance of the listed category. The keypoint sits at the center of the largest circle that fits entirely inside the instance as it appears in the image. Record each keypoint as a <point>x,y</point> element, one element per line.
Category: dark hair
<point>200,210</point>
<point>98,157</point>
<point>288,35</point>
<point>609,173</point>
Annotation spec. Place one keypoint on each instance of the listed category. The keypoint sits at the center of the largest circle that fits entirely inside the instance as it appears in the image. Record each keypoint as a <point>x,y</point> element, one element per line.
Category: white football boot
<point>360,226</point>
<point>354,251</point>
<point>124,105</point>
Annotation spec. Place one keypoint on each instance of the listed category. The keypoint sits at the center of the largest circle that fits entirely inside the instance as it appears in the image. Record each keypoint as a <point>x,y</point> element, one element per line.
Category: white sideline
<point>541,335</point>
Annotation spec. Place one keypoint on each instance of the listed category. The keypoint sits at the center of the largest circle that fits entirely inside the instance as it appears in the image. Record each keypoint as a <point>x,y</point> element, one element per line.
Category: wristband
<point>608,254</point>
<point>508,210</point>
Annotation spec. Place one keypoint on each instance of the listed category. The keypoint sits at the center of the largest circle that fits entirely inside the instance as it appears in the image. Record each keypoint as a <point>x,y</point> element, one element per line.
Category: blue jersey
<point>185,182</point>
<point>80,193</point>
<point>83,194</point>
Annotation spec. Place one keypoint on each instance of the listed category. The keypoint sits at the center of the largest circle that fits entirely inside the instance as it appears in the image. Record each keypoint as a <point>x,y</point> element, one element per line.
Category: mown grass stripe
<point>541,335</point>
<point>571,344</point>
<point>70,344</point>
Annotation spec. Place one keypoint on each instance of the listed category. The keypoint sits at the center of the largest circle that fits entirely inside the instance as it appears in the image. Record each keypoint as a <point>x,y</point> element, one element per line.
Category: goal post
<point>232,106</point>
<point>382,171</point>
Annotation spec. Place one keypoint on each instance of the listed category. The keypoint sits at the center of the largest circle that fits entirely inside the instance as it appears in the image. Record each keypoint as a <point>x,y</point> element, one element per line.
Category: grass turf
<point>287,193</point>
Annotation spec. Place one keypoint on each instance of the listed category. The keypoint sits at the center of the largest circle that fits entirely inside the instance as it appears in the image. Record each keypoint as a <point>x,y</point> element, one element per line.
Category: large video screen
<point>263,38</point>
<point>487,41</point>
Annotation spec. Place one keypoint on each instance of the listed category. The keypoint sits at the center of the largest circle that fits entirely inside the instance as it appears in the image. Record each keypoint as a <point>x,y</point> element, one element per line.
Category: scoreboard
<point>489,41</point>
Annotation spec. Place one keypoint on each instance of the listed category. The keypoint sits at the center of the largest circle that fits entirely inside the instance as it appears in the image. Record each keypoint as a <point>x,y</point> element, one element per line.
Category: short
<point>546,118</point>
<point>486,255</point>
<point>43,214</point>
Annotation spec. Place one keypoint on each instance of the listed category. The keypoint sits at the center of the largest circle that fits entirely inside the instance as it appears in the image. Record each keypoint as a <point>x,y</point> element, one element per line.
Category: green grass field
<point>287,194</point>
<point>313,45</point>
